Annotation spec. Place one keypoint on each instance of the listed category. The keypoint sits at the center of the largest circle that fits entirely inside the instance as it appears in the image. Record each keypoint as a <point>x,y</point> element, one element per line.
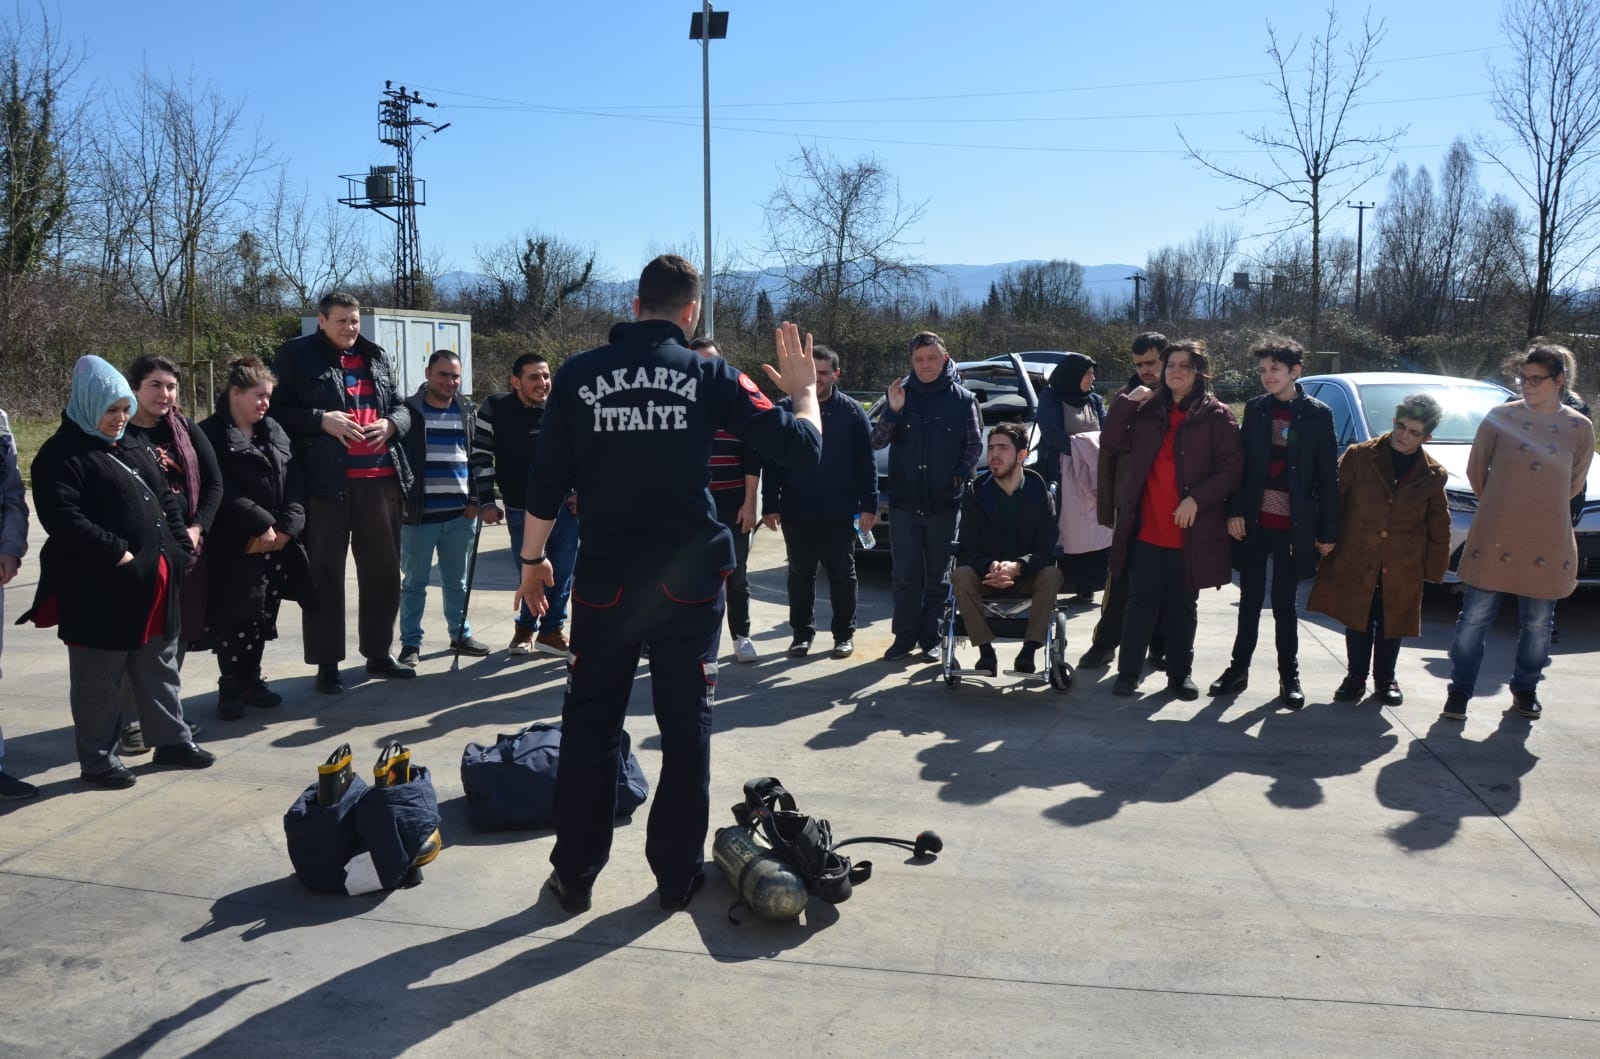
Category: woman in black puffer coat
<point>256,558</point>
<point>110,575</point>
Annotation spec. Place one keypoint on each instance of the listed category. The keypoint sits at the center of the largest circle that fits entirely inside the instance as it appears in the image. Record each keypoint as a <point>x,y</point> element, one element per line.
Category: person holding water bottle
<point>819,510</point>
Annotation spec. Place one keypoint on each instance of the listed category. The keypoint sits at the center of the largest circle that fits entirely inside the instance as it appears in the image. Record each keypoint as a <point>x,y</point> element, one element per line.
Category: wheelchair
<point>1008,620</point>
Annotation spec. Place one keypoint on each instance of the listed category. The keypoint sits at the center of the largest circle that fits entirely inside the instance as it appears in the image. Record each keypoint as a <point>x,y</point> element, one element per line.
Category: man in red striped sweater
<point>735,473</point>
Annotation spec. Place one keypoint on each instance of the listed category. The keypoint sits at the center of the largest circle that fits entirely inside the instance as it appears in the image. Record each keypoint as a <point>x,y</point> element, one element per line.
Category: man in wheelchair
<point>1005,547</point>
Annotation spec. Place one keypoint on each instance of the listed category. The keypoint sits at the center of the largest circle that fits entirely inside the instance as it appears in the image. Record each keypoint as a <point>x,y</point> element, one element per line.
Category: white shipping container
<point>410,338</point>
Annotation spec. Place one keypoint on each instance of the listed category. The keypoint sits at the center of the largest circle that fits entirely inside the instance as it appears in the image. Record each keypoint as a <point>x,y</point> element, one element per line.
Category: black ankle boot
<point>231,701</point>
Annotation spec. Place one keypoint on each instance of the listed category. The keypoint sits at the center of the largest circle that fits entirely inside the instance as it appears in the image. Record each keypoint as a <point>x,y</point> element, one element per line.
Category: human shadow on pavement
<point>1152,759</point>
<point>1445,778</point>
<point>162,1028</point>
<point>402,997</point>
<point>996,741</point>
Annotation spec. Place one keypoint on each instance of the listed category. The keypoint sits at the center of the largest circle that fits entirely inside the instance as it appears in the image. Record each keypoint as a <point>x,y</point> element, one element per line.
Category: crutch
<point>466,601</point>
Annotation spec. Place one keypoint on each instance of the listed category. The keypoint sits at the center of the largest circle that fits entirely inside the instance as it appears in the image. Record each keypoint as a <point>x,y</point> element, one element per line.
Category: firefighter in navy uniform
<point>629,426</point>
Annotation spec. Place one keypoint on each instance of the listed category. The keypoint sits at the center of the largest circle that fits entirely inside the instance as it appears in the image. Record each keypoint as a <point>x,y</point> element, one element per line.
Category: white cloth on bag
<point>1081,531</point>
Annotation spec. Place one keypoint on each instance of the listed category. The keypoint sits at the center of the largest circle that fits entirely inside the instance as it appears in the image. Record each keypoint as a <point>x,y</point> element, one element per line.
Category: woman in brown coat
<point>1181,448</point>
<point>1394,534</point>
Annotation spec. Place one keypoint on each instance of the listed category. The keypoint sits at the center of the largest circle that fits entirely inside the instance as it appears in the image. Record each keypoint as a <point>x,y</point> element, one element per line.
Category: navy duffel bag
<point>511,784</point>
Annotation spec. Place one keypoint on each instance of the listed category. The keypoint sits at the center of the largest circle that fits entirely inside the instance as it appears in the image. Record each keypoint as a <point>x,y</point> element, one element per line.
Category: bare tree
<point>176,164</point>
<point>533,280</point>
<point>312,248</point>
<point>1171,286</point>
<point>1314,159</point>
<point>839,229</point>
<point>1044,292</point>
<point>1212,254</point>
<point>1549,99</point>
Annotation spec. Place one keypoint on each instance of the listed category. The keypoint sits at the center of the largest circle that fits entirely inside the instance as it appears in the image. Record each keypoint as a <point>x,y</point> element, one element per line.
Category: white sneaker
<point>744,650</point>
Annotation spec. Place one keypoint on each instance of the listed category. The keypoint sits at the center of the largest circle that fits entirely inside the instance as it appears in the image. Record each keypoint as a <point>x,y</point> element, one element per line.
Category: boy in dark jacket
<point>1007,547</point>
<point>1286,510</point>
<point>817,507</point>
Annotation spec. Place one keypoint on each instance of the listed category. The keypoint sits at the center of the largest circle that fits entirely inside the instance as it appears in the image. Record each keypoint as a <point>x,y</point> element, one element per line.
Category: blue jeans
<point>1478,610</point>
<point>562,548</point>
<point>453,541</point>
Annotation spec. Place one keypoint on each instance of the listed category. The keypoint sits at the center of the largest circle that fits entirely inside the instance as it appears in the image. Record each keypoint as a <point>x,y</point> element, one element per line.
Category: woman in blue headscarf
<point>110,573</point>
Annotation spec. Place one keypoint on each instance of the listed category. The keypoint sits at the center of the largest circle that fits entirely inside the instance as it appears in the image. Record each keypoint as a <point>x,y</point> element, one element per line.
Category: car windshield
<point>999,397</point>
<point>1464,403</point>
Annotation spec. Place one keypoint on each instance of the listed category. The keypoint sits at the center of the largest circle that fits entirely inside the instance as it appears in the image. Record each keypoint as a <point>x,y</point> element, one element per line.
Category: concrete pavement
<point>1120,877</point>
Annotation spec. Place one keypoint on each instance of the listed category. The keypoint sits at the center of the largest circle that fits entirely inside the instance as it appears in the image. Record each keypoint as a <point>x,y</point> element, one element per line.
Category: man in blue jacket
<point>930,426</point>
<point>817,508</point>
<point>1007,547</point>
<point>630,426</point>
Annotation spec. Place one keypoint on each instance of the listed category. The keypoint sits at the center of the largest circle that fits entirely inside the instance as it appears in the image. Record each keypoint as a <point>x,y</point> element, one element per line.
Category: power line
<point>1008,94</point>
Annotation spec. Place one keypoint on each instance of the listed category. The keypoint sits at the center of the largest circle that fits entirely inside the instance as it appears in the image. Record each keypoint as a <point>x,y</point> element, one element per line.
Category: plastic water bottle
<point>868,541</point>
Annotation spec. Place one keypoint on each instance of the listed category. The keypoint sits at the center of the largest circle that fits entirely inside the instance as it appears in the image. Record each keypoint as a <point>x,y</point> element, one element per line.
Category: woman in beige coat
<point>1394,534</point>
<point>1529,459</point>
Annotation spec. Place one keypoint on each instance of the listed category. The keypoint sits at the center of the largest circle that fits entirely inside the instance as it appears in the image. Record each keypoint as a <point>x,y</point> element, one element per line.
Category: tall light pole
<point>705,26</point>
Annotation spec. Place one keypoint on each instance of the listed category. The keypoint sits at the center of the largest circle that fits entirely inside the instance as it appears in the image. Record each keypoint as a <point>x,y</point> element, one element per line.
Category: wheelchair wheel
<point>1061,676</point>
<point>1058,643</point>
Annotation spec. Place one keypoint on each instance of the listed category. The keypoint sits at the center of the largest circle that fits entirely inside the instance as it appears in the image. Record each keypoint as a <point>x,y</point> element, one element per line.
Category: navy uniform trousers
<point>609,626</point>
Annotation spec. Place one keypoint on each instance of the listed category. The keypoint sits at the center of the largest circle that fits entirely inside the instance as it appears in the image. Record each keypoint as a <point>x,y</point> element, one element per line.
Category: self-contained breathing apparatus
<point>775,857</point>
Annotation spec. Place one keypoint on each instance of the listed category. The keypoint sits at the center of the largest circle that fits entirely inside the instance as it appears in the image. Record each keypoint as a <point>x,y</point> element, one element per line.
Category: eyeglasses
<point>1531,380</point>
<point>924,340</point>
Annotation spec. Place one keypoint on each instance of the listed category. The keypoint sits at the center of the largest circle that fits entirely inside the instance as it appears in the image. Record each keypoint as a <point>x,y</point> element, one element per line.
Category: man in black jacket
<point>630,427</point>
<point>929,423</point>
<point>817,508</point>
<point>1007,547</point>
<point>508,434</point>
<point>336,396</point>
<point>1286,510</point>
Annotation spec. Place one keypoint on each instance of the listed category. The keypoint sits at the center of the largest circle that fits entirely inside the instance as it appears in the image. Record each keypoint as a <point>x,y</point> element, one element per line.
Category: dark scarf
<point>191,464</point>
<point>1067,379</point>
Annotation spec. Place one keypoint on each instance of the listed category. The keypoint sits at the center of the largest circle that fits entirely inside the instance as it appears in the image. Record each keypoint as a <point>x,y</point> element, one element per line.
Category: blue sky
<point>1031,129</point>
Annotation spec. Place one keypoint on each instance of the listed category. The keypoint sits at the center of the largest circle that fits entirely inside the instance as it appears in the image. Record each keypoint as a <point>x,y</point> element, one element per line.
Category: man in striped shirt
<point>735,474</point>
<point>442,510</point>
<point>336,398</point>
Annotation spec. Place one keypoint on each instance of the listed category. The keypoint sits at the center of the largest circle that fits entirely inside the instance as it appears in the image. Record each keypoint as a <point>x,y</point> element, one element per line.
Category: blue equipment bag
<point>511,784</point>
<point>324,838</point>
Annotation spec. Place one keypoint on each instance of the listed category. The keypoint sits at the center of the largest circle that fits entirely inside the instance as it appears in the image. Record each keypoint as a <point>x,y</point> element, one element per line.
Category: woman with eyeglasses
<point>1394,534</point>
<point>1184,460</point>
<point>1529,459</point>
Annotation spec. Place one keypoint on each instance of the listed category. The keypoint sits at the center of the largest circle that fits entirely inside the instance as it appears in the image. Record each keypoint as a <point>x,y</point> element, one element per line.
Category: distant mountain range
<point>964,284</point>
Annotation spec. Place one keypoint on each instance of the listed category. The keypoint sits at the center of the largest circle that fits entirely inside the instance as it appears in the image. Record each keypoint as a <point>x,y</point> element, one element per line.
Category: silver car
<point>1363,406</point>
